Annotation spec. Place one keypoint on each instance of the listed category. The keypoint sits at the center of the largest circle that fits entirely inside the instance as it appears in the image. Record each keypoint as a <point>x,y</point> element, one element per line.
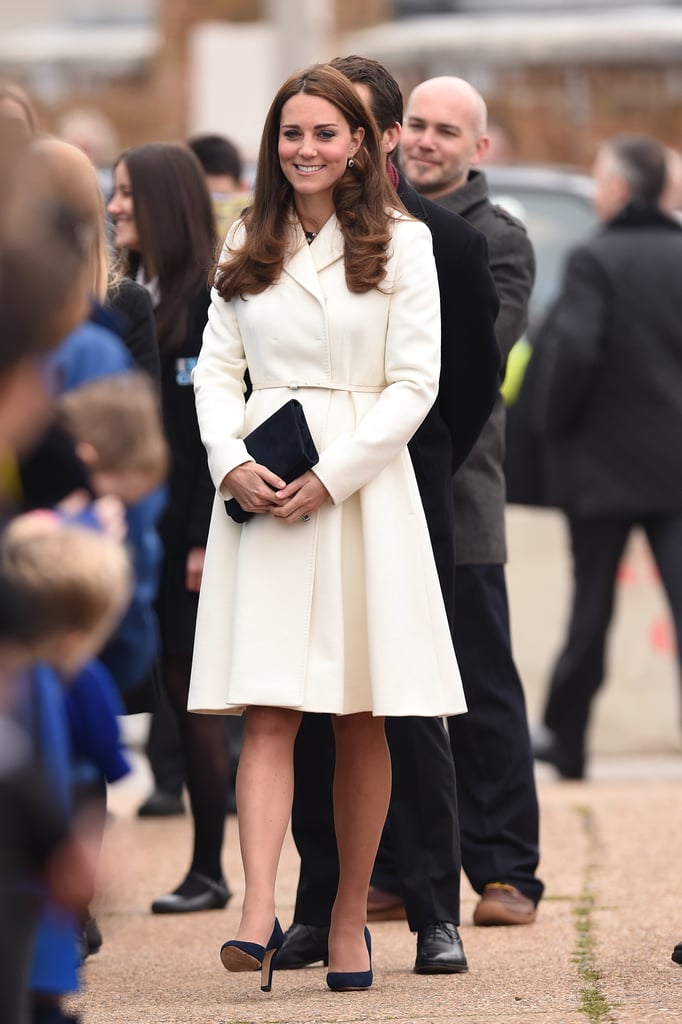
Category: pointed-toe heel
<point>353,981</point>
<point>236,955</point>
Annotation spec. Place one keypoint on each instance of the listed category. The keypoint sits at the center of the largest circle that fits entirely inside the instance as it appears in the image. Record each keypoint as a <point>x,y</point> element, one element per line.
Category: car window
<point>556,222</point>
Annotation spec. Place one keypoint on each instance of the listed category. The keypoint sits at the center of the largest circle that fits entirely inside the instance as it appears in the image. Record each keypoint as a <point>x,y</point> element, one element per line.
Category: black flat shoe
<point>304,944</point>
<point>161,804</point>
<point>206,894</point>
<point>440,950</point>
<point>677,953</point>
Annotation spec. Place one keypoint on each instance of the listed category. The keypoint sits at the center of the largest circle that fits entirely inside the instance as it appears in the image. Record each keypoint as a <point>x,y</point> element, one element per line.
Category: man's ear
<point>481,150</point>
<point>391,138</point>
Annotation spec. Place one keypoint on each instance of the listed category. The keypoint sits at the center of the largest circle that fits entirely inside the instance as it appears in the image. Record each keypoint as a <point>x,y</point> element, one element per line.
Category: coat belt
<point>373,389</point>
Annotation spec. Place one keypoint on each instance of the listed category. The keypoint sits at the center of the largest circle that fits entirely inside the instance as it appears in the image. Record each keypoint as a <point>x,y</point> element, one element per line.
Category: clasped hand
<point>258,490</point>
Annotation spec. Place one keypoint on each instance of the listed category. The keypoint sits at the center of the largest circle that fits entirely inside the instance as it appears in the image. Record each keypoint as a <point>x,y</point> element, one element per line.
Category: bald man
<point>444,139</point>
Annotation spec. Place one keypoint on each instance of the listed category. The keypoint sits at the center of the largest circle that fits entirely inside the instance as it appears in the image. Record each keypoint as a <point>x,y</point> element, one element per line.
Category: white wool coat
<point>343,613</point>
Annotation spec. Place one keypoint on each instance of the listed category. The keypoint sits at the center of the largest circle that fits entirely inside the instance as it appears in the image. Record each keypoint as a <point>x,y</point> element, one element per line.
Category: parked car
<point>555,204</point>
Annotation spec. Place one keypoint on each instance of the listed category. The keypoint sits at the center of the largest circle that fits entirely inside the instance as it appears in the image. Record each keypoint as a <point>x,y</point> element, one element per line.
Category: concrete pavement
<point>599,951</point>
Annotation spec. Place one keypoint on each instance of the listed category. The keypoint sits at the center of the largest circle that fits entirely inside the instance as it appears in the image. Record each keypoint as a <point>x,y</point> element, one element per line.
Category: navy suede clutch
<point>284,444</point>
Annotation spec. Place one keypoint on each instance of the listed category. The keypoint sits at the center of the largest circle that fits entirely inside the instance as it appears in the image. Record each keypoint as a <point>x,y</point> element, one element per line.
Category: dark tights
<point>206,748</point>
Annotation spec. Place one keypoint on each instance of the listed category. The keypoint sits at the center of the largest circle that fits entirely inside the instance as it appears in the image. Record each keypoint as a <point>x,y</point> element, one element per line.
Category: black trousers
<point>421,823</point>
<point>496,793</point>
<point>597,547</point>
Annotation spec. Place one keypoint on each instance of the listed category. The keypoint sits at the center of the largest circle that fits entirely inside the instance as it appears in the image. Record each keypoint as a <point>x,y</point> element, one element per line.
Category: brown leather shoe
<point>384,906</point>
<point>503,904</point>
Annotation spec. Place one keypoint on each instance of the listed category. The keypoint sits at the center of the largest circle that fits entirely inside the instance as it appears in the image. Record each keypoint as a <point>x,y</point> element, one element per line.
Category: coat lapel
<point>308,260</point>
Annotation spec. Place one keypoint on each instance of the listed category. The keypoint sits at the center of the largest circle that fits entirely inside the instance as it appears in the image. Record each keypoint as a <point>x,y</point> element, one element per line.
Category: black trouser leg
<point>665,538</point>
<point>597,546</point>
<point>498,808</point>
<point>422,821</point>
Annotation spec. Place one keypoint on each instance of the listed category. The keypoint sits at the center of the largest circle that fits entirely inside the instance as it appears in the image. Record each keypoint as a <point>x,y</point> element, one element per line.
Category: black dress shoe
<point>440,950</point>
<point>304,944</point>
<point>161,804</point>
<point>197,892</point>
<point>550,748</point>
<point>677,953</point>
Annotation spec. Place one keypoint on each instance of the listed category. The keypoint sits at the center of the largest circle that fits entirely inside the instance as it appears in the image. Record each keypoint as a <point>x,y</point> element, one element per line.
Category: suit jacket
<point>611,386</point>
<point>479,486</point>
<point>469,376</point>
<point>288,611</point>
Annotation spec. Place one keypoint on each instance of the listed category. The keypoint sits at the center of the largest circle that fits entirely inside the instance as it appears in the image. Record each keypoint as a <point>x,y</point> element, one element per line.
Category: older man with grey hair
<point>610,392</point>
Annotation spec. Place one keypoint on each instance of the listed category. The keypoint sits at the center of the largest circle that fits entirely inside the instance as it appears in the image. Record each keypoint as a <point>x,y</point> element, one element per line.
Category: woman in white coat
<point>327,600</point>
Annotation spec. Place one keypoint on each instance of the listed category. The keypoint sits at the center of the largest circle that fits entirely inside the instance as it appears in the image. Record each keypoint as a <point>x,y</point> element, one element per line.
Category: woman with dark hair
<point>327,600</point>
<point>164,228</point>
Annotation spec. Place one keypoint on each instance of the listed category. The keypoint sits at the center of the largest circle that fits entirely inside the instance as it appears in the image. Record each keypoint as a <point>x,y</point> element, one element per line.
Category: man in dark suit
<point>422,818</point>
<point>444,138</point>
<point>610,362</point>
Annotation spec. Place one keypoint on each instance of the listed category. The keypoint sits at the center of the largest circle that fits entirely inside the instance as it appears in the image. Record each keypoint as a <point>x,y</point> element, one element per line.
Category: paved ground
<point>600,949</point>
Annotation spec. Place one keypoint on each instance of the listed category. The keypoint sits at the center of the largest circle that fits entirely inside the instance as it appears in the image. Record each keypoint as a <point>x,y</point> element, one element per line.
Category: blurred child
<point>69,586</point>
<point>115,424</point>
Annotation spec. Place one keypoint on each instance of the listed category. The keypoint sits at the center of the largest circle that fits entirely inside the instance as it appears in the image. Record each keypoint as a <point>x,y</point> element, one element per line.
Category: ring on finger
<point>306,518</point>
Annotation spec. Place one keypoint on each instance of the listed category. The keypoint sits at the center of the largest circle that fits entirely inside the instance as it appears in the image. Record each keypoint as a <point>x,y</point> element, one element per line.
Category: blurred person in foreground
<point>70,584</point>
<point>16,106</point>
<point>422,815</point>
<point>444,139</point>
<point>117,333</point>
<point>610,400</point>
<point>43,295</point>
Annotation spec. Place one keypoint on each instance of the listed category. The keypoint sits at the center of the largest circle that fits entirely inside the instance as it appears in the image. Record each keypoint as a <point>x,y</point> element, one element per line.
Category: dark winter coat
<point>610,389</point>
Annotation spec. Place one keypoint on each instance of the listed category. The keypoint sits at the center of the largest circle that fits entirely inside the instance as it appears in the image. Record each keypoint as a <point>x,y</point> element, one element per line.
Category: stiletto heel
<point>353,981</point>
<point>250,956</point>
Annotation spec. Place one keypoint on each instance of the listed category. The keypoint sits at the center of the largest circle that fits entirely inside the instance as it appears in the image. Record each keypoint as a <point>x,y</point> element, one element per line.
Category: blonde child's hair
<point>63,577</point>
<point>119,417</point>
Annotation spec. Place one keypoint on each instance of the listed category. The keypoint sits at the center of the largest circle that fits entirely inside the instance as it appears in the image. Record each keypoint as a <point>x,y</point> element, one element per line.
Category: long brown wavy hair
<point>363,197</point>
<point>175,227</point>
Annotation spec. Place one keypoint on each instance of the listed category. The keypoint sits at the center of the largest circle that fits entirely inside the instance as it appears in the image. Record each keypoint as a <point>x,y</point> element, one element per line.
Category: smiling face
<point>443,136</point>
<point>314,144</point>
<point>122,210</point>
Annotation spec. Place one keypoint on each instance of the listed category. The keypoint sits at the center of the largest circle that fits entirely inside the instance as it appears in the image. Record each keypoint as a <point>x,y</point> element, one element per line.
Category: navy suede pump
<point>353,981</point>
<point>249,956</point>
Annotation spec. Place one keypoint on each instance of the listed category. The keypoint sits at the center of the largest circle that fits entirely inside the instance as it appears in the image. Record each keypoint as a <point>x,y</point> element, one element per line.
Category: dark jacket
<point>191,491</point>
<point>479,486</point>
<point>611,386</point>
<point>470,366</point>
<point>133,314</point>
